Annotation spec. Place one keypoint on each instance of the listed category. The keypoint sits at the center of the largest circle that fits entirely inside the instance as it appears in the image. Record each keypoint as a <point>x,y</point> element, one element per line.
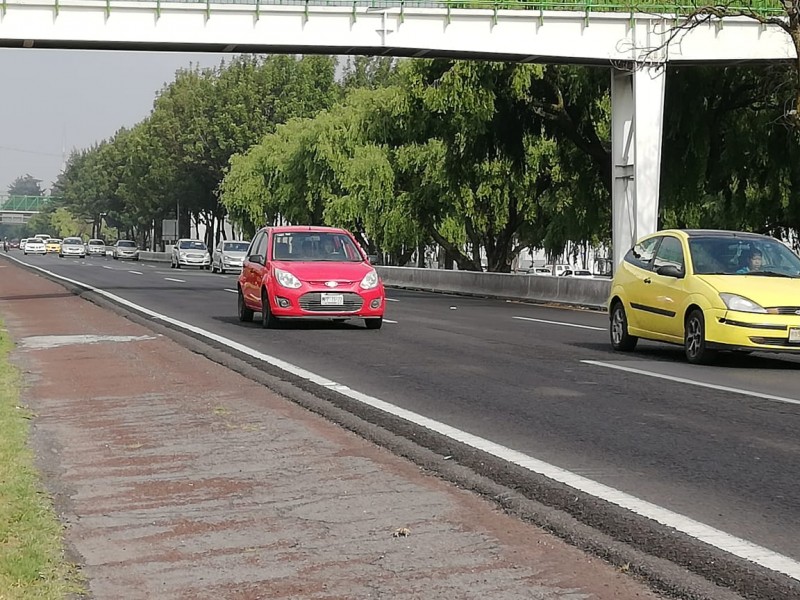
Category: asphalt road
<point>515,374</point>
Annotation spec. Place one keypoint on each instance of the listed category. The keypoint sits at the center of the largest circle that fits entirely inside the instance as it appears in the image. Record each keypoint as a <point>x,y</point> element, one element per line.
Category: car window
<point>234,246</point>
<point>191,245</point>
<point>73,241</point>
<point>641,254</point>
<point>670,253</point>
<point>731,256</point>
<point>126,244</point>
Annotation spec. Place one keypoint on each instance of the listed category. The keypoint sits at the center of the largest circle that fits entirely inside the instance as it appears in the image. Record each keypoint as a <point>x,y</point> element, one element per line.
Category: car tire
<point>621,340</point>
<point>221,271</point>
<point>694,339</point>
<point>374,322</point>
<point>245,313</point>
<point>268,320</point>
<point>213,268</point>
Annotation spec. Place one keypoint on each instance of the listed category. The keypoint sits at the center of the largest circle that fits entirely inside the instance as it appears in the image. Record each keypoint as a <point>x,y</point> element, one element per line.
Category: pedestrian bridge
<point>18,209</point>
<point>636,40</point>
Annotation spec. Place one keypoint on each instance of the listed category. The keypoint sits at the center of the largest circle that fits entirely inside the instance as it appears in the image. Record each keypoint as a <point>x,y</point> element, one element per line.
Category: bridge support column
<point>637,116</point>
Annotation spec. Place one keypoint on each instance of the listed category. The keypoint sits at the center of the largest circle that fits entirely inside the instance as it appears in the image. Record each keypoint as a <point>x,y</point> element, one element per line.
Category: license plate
<point>332,300</point>
<point>794,335</point>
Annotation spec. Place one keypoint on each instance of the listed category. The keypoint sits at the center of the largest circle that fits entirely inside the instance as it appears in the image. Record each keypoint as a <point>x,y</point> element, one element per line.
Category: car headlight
<point>370,281</point>
<point>286,279</point>
<point>182,254</point>
<point>741,304</point>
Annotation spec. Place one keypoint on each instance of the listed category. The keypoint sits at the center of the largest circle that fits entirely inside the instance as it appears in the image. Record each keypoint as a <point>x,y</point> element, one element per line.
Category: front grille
<point>312,302</point>
<point>783,310</point>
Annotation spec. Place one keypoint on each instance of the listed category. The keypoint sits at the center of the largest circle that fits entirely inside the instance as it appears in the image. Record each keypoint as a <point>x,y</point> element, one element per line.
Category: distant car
<point>35,246</point>
<point>296,272</point>
<point>579,273</point>
<point>96,247</point>
<point>125,249</point>
<point>540,271</point>
<point>22,243</point>
<point>190,253</point>
<point>72,246</point>
<point>707,290</point>
<point>43,236</point>
<point>229,256</point>
<point>53,246</point>
<point>13,244</point>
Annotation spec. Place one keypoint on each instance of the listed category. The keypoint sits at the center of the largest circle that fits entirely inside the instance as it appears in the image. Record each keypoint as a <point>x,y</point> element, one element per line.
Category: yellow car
<point>707,290</point>
<point>53,245</point>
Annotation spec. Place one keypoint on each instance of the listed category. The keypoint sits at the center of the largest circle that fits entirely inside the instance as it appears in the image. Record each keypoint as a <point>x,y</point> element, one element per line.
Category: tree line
<point>481,159</point>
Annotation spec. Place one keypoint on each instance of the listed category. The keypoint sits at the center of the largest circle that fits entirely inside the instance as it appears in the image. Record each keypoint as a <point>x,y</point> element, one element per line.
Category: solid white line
<point>392,300</point>
<point>700,531</point>
<point>107,267</point>
<point>713,386</point>
<point>389,321</point>
<point>173,279</point>
<point>561,323</point>
<point>230,290</point>
<point>136,272</point>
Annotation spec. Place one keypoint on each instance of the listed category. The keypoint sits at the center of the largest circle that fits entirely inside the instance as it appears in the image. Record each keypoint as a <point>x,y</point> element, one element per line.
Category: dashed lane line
<point>561,323</point>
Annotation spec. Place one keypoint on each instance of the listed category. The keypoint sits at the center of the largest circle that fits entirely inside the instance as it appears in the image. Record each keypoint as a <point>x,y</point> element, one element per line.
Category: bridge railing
<point>24,203</point>
<point>760,7</point>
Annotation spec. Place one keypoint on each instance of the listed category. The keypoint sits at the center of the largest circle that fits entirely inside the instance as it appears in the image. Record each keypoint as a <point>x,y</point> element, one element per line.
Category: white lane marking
<point>173,279</point>
<point>136,272</point>
<point>561,323</point>
<point>389,321</point>
<point>230,290</point>
<point>700,531</point>
<point>107,267</point>
<point>392,300</point>
<point>38,342</point>
<point>713,386</point>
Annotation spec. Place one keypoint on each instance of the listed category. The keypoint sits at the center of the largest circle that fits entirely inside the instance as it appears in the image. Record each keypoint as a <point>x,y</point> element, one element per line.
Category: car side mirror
<point>670,271</point>
<point>256,258</point>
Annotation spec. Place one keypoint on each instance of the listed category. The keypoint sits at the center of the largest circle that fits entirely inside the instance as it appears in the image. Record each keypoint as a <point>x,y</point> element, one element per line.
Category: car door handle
<point>647,280</point>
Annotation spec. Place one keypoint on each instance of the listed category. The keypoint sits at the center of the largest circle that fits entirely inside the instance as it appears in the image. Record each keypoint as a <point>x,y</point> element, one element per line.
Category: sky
<point>53,101</point>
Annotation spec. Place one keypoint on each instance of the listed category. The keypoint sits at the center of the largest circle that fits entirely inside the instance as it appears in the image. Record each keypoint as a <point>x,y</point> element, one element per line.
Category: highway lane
<point>513,373</point>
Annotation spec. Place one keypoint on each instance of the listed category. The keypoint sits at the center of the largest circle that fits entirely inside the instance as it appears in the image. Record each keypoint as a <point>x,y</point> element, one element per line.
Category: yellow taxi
<point>707,290</point>
<point>53,246</point>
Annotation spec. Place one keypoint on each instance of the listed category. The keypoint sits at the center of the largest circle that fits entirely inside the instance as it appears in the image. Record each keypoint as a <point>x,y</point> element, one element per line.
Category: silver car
<point>95,247</point>
<point>229,256</point>
<point>190,253</point>
<point>72,246</point>
<point>125,249</point>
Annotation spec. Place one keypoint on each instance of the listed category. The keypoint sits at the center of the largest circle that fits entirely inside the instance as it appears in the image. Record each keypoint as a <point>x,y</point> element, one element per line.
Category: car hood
<point>232,254</point>
<point>764,290</point>
<point>325,271</point>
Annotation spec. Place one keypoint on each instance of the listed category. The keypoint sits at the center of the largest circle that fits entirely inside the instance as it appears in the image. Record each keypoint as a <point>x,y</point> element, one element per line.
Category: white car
<point>35,246</point>
<point>190,253</point>
<point>95,247</point>
<point>72,246</point>
<point>578,273</point>
<point>229,256</point>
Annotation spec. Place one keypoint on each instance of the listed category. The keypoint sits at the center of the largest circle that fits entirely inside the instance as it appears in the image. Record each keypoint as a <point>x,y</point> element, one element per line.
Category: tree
<point>26,185</point>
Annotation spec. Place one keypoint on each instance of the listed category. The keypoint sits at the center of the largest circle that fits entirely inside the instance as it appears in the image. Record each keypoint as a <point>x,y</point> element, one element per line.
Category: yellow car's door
<point>637,283</point>
<point>668,290</point>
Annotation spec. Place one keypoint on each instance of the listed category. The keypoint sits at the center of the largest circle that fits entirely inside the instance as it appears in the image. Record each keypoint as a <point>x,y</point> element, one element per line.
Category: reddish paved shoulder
<point>180,479</point>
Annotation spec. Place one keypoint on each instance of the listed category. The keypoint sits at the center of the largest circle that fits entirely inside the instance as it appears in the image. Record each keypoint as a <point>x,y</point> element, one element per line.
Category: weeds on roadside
<point>32,561</point>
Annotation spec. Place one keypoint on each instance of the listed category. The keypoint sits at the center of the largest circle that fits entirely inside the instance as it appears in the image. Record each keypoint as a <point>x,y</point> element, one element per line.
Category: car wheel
<point>222,271</point>
<point>245,314</point>
<point>213,268</point>
<point>374,322</point>
<point>694,339</point>
<point>620,338</point>
<point>268,320</point>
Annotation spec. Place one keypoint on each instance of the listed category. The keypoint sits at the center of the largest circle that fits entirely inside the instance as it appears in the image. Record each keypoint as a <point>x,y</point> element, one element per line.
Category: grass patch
<point>33,565</point>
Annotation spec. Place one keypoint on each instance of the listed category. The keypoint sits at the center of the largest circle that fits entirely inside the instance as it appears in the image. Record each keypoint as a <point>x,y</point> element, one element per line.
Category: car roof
<point>717,233</point>
<point>301,228</point>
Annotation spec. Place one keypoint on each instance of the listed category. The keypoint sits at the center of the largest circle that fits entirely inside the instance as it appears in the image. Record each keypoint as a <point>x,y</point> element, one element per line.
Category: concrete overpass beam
<point>637,120</point>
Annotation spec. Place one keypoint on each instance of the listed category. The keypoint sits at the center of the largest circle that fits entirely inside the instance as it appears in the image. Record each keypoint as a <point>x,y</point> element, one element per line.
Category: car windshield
<point>73,241</point>
<point>191,245</point>
<point>126,244</point>
<point>743,256</point>
<point>311,246</point>
<point>235,246</point>
<point>97,243</point>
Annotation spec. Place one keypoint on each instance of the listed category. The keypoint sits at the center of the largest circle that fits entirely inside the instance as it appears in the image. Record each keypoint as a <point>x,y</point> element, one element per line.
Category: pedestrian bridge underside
<point>636,40</point>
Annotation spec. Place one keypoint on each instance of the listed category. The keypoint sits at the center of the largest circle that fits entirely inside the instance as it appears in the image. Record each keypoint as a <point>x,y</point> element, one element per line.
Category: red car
<point>299,272</point>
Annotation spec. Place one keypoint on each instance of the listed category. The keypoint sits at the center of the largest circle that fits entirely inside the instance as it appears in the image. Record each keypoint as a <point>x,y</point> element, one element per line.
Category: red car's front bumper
<point>321,302</point>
